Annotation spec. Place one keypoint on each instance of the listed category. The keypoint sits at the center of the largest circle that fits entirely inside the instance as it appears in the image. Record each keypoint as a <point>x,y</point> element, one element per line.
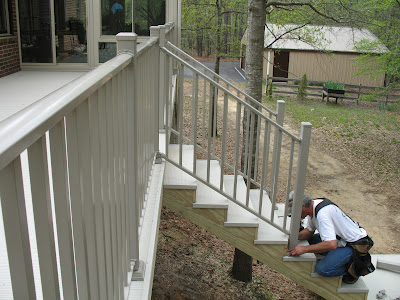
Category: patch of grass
<point>350,121</point>
<point>393,107</point>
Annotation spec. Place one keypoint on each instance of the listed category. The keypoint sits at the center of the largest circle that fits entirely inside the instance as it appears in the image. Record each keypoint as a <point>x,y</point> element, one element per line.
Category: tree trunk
<point>226,32</point>
<point>254,67</point>
<point>199,44</point>
<point>255,48</point>
<point>214,96</point>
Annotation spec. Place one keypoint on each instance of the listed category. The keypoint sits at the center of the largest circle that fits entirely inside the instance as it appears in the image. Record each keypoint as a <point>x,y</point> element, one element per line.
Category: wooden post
<point>359,93</point>
<point>300,181</point>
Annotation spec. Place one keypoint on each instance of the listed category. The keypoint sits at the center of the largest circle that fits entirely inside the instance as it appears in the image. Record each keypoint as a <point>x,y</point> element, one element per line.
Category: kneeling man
<point>337,233</point>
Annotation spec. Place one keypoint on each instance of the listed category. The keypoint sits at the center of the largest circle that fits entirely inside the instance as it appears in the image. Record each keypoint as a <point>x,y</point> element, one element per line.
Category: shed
<point>322,52</point>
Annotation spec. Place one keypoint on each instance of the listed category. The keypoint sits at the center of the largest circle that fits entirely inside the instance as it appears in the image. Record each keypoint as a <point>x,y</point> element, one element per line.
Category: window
<point>4,18</point>
<point>71,31</point>
<point>148,13</point>
<point>116,16</point>
<point>35,31</point>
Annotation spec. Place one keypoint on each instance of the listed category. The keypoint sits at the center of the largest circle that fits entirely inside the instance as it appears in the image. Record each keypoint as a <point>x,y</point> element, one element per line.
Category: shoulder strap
<point>322,204</point>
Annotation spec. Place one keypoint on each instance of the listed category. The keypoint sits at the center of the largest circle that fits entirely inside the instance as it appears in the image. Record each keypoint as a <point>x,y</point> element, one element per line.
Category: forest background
<point>214,29</point>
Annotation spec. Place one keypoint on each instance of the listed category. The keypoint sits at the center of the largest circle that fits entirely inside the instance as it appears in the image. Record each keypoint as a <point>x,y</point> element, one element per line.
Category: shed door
<point>281,64</point>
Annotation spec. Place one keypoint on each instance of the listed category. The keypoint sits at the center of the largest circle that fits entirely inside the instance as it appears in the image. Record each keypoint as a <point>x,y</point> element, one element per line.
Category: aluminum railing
<point>208,112</point>
<point>239,93</point>
<point>91,146</point>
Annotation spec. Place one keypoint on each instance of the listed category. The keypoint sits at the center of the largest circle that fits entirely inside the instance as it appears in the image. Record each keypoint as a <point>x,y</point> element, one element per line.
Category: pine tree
<point>302,93</point>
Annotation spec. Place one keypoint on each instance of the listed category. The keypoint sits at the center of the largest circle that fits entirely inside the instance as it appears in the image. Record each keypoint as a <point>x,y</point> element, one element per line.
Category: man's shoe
<point>349,279</point>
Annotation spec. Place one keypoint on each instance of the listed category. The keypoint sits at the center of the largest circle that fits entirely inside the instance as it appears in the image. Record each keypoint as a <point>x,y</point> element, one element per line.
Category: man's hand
<point>322,247</point>
<point>298,250</point>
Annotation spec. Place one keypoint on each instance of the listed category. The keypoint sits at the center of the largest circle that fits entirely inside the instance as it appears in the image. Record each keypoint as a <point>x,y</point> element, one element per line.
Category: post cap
<point>126,36</point>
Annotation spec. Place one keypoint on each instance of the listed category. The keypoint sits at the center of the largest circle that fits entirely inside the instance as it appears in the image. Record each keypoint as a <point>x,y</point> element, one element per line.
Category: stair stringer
<point>212,219</point>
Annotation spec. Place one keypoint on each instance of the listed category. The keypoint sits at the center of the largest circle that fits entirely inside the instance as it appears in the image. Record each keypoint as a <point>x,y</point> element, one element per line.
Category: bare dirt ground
<point>193,264</point>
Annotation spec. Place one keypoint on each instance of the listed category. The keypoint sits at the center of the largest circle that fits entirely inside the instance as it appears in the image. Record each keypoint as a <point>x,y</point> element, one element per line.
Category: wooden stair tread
<point>303,257</point>
<point>205,196</point>
<point>268,234</point>
<point>175,178</point>
<point>238,216</point>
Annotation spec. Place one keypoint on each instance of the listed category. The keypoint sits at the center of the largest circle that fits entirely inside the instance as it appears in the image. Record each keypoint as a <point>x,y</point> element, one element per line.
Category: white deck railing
<point>91,146</point>
<point>257,145</point>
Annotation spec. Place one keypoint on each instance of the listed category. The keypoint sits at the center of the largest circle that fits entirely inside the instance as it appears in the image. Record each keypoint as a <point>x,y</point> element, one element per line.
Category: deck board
<point>24,88</point>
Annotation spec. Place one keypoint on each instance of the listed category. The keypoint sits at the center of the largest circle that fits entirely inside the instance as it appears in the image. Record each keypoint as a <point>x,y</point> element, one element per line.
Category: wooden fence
<point>352,91</point>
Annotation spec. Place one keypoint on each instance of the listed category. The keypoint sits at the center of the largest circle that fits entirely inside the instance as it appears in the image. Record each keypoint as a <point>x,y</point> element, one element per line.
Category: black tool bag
<point>360,263</point>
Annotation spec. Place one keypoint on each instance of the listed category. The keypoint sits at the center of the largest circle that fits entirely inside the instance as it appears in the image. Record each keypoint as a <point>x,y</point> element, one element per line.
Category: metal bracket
<point>158,158</point>
<point>138,275</point>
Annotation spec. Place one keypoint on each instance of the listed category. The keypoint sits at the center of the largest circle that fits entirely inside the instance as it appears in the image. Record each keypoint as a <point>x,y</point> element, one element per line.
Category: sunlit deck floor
<point>21,89</point>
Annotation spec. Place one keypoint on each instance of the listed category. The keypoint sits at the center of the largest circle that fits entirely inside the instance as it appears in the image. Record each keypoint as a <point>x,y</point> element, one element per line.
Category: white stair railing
<point>91,147</point>
<point>207,112</point>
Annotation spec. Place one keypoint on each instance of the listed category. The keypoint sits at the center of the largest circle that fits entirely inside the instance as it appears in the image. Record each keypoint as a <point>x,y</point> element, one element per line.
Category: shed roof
<point>313,37</point>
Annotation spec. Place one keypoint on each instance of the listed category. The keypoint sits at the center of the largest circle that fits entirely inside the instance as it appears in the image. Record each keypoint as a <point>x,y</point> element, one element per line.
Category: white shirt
<point>332,221</point>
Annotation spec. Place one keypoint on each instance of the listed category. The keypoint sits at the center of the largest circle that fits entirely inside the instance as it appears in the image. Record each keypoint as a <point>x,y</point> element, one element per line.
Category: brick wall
<point>9,50</point>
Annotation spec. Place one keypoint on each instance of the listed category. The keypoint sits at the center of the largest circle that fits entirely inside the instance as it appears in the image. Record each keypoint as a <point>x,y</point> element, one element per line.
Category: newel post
<point>155,32</point>
<point>127,43</point>
<point>162,80</point>
<point>168,32</point>
<point>300,182</point>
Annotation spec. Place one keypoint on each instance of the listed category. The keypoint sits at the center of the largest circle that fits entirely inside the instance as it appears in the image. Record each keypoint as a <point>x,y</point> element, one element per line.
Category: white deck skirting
<point>149,236</point>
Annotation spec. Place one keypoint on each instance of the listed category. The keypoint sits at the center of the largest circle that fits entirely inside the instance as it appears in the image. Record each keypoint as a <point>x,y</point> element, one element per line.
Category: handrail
<point>247,105</point>
<point>258,103</point>
<point>19,131</point>
<point>142,47</point>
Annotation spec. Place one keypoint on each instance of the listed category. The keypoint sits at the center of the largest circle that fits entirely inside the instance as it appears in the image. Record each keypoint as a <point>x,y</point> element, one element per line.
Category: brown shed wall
<point>323,67</point>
